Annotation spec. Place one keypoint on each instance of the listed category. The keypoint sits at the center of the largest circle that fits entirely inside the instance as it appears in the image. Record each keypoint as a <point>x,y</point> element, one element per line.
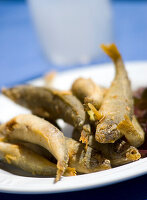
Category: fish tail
<point>112,51</point>
<point>58,175</point>
<point>61,167</point>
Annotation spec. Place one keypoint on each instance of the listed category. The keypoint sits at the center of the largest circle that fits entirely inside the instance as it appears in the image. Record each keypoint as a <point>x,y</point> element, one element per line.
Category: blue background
<point>21,59</point>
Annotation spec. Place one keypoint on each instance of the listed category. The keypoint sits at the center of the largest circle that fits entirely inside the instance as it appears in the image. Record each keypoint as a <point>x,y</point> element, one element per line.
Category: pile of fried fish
<point>106,132</point>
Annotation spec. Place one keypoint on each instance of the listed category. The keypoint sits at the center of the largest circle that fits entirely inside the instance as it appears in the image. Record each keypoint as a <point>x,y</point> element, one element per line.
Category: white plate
<point>102,74</point>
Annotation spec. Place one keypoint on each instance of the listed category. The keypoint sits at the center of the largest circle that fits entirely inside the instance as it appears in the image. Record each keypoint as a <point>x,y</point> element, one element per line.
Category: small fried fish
<point>30,128</point>
<point>29,161</point>
<point>85,160</point>
<point>119,153</point>
<point>49,103</point>
<point>118,101</point>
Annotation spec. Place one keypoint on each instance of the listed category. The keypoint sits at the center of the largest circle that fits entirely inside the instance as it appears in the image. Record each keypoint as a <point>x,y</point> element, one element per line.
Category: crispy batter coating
<point>117,102</point>
<point>85,160</point>
<point>33,129</point>
<point>119,153</point>
<point>49,103</point>
<point>132,131</point>
<point>24,158</point>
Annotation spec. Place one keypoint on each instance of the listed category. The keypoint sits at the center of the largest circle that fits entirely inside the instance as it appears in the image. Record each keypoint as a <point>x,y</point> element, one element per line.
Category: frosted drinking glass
<point>71,31</point>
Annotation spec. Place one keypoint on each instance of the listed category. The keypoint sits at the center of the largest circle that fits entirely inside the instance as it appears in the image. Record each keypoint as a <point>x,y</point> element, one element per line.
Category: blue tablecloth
<point>21,59</point>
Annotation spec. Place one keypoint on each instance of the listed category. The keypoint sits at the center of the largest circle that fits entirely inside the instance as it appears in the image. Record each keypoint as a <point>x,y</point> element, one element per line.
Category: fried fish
<point>119,153</point>
<point>24,158</point>
<point>30,128</point>
<point>49,103</point>
<point>118,101</point>
<point>85,160</point>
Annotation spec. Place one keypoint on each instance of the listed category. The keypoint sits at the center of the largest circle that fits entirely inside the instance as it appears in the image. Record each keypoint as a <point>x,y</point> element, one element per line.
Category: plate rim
<point>126,177</point>
<point>87,187</point>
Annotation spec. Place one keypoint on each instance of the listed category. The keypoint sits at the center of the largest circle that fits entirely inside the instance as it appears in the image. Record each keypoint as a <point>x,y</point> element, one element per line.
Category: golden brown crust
<point>30,161</point>
<point>49,103</point>
<point>132,131</point>
<point>85,160</point>
<point>117,102</point>
<point>33,129</point>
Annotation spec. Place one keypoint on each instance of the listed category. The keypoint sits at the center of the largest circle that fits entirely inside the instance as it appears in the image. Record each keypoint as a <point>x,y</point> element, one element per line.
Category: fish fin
<point>94,113</point>
<point>84,138</point>
<point>112,51</point>
<point>58,175</point>
<point>91,115</point>
<point>49,78</point>
<point>86,131</point>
